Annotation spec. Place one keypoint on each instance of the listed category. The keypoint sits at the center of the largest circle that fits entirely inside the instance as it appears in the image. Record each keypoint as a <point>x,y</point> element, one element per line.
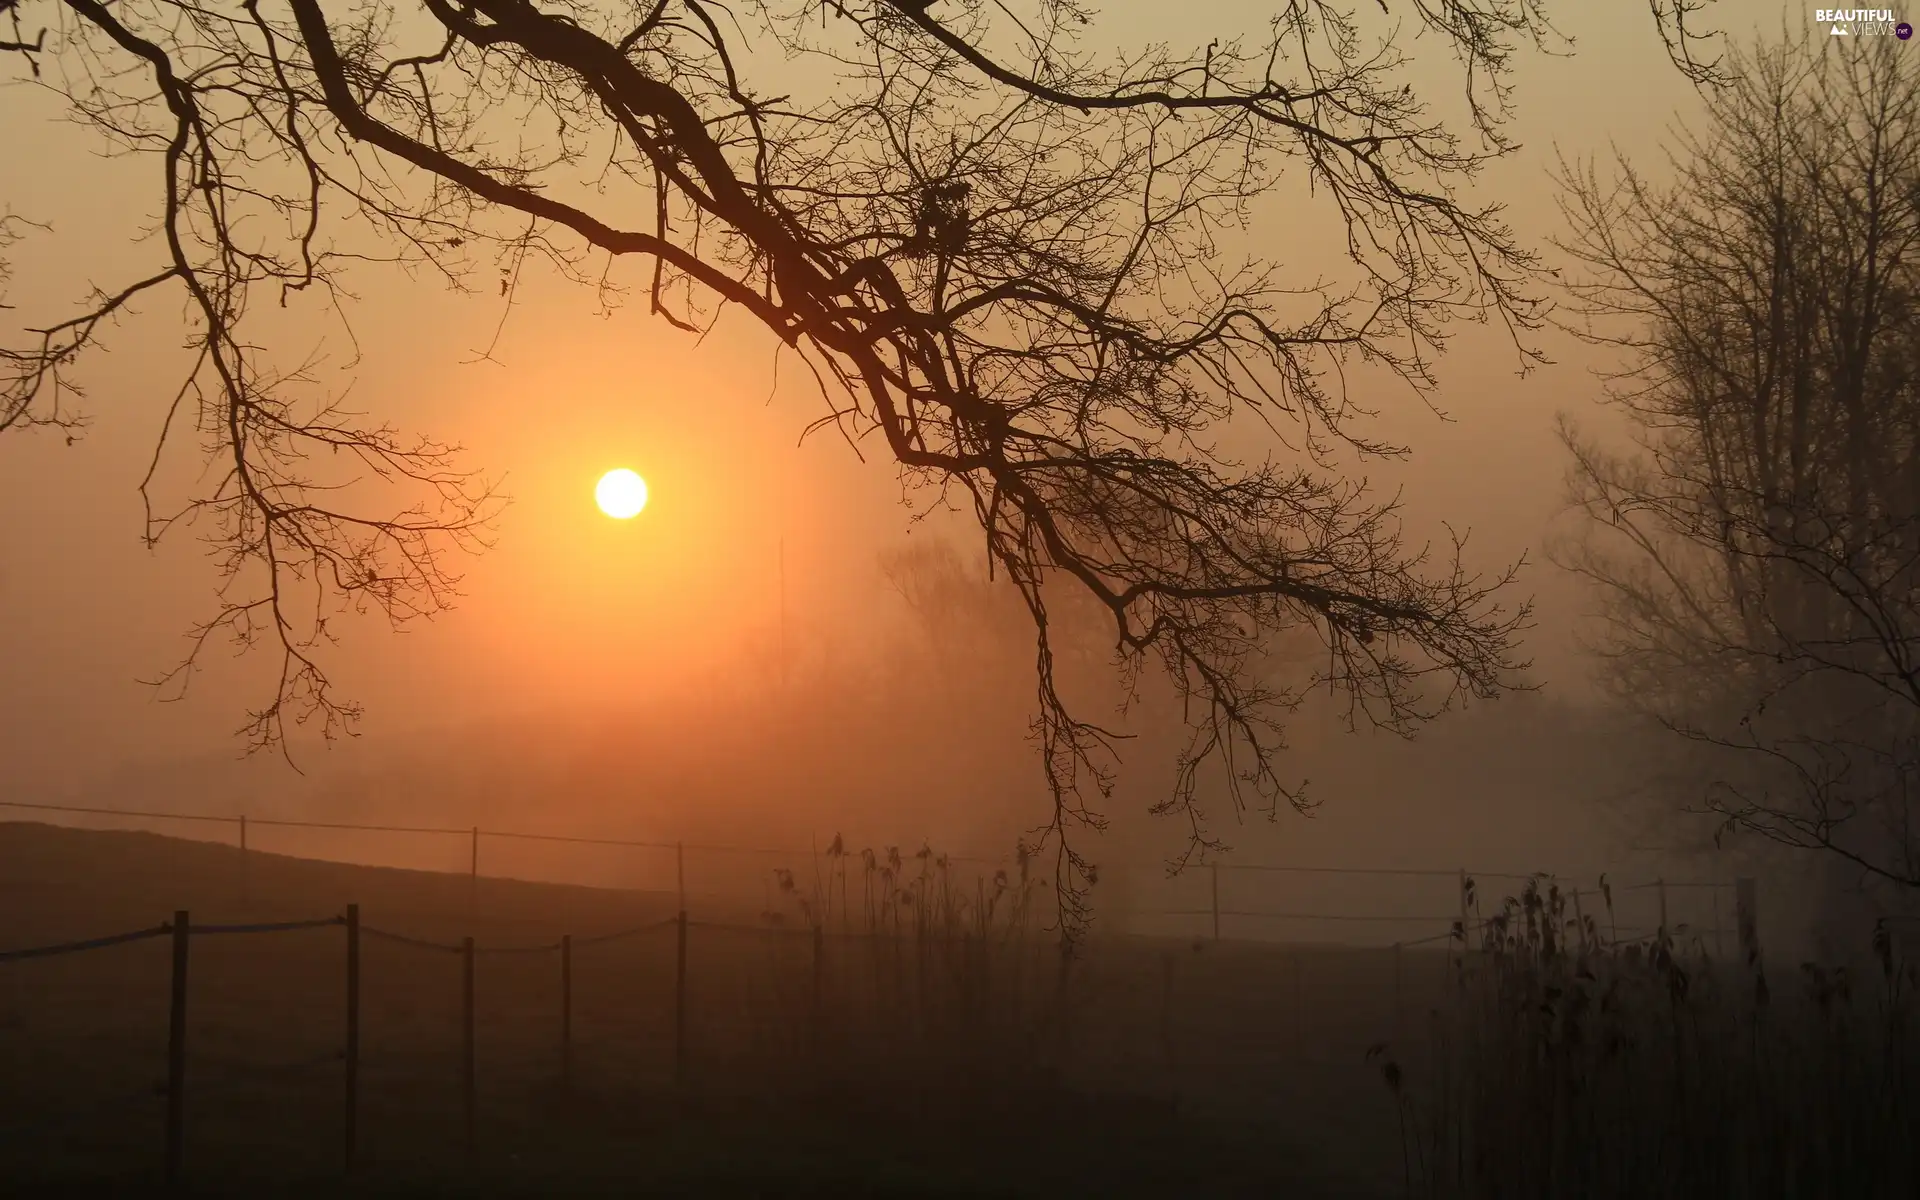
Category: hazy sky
<point>571,611</point>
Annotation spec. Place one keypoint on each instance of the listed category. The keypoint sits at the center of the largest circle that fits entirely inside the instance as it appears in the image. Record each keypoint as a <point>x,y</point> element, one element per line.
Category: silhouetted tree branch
<point>1008,257</point>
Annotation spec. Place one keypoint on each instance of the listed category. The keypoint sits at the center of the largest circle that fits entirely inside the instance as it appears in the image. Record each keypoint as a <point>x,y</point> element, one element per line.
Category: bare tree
<point>1008,257</point>
<point>1759,554</point>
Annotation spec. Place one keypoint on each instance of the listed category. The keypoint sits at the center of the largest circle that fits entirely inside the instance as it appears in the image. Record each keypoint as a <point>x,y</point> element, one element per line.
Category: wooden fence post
<point>680,1005</point>
<point>352,1127</point>
<point>1216,902</point>
<point>1719,938</point>
<point>1466,929</point>
<point>1399,1006</point>
<point>1063,1001</point>
<point>566,1013</point>
<point>1746,920</point>
<point>1166,1008</point>
<point>819,966</point>
<point>177,1051</point>
<point>466,1028</point>
<point>1299,957</point>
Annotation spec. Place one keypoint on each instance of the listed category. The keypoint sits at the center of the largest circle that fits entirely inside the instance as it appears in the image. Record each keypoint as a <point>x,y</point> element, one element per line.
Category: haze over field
<point>960,598</point>
<point>735,665</point>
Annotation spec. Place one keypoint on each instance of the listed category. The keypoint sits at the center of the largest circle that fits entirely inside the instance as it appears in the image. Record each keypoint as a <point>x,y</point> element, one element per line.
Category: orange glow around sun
<point>621,494</point>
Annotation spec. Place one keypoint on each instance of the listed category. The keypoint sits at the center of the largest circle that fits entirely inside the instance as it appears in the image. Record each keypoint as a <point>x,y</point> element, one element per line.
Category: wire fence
<point>181,930</point>
<point>1463,927</point>
<point>1191,904</point>
<point>347,1054</point>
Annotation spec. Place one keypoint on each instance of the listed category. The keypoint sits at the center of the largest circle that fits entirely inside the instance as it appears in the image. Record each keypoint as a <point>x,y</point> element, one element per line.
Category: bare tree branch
<point>1011,258</point>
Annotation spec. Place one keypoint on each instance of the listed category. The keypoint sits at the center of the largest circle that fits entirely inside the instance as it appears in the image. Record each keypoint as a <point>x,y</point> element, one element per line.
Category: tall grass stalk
<point>1566,1062</point>
<point>928,980</point>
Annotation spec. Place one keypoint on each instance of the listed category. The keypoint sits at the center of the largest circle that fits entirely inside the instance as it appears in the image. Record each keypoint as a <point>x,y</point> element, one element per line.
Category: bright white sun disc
<point>621,494</point>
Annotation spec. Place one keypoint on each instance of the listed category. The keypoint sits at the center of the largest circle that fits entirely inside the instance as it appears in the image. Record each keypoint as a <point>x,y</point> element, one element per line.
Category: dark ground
<point>1231,1072</point>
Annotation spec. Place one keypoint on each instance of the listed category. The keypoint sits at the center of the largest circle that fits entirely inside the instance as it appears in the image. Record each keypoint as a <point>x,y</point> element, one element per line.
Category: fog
<point>723,850</point>
<point>736,667</point>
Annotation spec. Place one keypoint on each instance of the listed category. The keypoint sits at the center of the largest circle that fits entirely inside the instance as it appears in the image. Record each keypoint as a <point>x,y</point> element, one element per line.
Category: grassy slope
<point>83,1041</point>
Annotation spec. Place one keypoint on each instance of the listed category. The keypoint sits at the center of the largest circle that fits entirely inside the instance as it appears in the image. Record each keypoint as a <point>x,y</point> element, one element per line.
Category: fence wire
<point>596,939</point>
<point>112,939</point>
<point>544,948</point>
<point>269,926</point>
<point>809,854</point>
<point>387,935</point>
<point>229,1074</point>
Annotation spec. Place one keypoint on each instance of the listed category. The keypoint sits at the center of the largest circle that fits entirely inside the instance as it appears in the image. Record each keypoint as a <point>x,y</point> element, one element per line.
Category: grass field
<point>927,1040</point>
<point>953,1057</point>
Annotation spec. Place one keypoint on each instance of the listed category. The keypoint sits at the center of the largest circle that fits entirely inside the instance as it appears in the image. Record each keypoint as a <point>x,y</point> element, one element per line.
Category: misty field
<point>922,1065</point>
<point>928,1041</point>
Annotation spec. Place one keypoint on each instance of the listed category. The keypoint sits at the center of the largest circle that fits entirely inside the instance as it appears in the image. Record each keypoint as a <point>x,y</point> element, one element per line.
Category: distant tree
<point>1759,554</point>
<point>1006,255</point>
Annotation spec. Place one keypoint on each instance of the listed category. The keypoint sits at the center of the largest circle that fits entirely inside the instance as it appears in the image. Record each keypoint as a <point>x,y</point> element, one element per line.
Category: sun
<point>621,494</point>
